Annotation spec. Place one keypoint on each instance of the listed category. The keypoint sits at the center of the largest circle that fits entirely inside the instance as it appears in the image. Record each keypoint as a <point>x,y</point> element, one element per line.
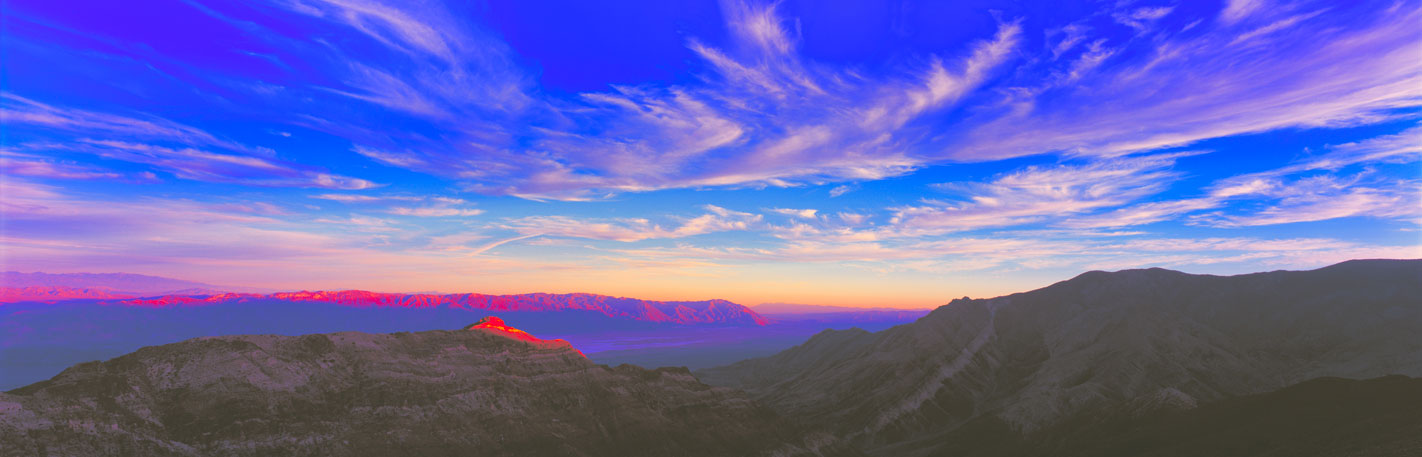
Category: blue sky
<point>878,154</point>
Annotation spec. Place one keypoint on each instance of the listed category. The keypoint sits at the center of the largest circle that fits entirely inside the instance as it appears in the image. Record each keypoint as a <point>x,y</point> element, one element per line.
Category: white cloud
<point>368,198</point>
<point>632,229</point>
<point>23,111</point>
<point>800,213</point>
<point>1292,198</point>
<point>12,163</point>
<point>1037,193</point>
<point>1198,86</point>
<point>390,158</point>
<point>184,151</point>
<point>1236,10</point>
<point>1326,197</point>
<point>758,112</point>
<point>435,211</point>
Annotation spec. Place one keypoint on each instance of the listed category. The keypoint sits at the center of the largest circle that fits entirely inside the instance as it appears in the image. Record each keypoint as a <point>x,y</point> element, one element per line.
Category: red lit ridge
<point>495,325</point>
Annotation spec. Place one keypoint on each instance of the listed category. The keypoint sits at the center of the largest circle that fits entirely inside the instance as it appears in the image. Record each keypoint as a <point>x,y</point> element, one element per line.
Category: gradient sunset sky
<point>845,153</point>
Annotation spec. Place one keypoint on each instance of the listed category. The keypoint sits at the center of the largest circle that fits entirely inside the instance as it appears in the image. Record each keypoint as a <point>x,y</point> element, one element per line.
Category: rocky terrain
<point>1321,417</point>
<point>1324,417</point>
<point>38,339</point>
<point>489,389</point>
<point>1147,339</point>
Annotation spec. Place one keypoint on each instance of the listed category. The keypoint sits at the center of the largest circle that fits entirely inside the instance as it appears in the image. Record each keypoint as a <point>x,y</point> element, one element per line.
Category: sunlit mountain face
<point>722,228</point>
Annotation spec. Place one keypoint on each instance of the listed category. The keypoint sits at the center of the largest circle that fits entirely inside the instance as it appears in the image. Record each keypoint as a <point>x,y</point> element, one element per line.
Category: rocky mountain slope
<point>486,390</point>
<point>1032,361</point>
<point>1324,417</point>
<point>39,339</point>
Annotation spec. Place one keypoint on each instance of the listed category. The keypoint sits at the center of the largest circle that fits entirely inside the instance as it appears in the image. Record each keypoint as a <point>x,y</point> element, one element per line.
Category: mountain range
<point>489,389</point>
<point>40,337</point>
<point>1031,362</point>
<point>1147,362</point>
<point>673,312</point>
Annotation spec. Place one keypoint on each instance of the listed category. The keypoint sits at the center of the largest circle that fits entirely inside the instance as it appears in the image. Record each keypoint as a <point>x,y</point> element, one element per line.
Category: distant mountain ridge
<point>40,338</point>
<point>17,286</point>
<point>144,290</point>
<point>673,312</point>
<point>54,294</point>
<point>1096,342</point>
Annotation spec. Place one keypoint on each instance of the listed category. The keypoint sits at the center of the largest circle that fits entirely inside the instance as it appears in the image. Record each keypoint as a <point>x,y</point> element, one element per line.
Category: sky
<point>893,154</point>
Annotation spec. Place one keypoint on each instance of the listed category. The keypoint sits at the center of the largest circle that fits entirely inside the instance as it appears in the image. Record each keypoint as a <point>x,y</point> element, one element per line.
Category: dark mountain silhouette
<point>1091,345</point>
<point>490,389</point>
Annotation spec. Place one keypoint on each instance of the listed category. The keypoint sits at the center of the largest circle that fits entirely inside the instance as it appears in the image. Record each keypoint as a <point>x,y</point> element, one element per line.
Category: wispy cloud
<point>363,198</point>
<point>200,165</point>
<point>800,213</point>
<point>435,211</point>
<point>23,111</point>
<point>717,219</point>
<point>767,116</point>
<point>1287,197</point>
<point>433,205</point>
<point>1043,249</point>
<point>760,113</point>
<point>449,69</point>
<point>1036,194</point>
<point>1195,86</point>
<point>823,125</point>
<point>29,165</point>
<point>183,151</point>
<point>1235,10</point>
<point>1326,197</point>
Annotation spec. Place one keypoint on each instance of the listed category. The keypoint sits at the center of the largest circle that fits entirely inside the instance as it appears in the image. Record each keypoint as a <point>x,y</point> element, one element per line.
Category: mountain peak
<point>495,325</point>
